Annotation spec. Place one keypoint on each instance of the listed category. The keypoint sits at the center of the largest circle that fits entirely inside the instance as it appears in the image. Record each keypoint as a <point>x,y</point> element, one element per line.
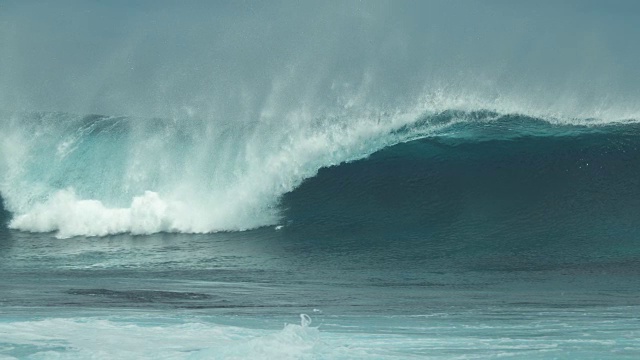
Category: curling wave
<point>99,175</point>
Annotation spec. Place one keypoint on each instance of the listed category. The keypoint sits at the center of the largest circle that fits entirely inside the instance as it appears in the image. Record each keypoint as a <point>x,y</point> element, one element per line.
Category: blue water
<point>508,236</point>
<point>319,180</point>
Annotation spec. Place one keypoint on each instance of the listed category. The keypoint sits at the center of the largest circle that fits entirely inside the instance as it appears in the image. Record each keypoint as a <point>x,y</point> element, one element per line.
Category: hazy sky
<point>158,58</point>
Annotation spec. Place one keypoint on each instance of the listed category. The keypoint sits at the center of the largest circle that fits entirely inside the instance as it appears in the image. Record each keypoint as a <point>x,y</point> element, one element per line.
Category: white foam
<point>70,216</point>
<point>93,338</point>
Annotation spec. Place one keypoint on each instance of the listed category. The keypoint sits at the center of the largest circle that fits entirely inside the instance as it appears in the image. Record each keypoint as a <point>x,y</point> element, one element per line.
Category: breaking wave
<point>99,175</point>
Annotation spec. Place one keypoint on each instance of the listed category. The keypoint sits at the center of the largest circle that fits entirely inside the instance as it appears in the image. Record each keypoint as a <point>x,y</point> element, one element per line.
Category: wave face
<point>553,196</point>
<point>98,175</point>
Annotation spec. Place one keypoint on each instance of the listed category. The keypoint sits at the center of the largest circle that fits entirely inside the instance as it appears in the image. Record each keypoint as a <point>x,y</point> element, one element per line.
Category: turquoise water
<point>319,180</point>
<point>443,247</point>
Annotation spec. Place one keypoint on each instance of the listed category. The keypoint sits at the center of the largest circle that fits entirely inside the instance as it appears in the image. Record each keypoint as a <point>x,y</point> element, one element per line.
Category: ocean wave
<point>99,175</point>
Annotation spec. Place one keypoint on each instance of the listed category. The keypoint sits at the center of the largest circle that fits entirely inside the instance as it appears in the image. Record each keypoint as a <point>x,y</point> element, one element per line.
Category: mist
<point>236,61</point>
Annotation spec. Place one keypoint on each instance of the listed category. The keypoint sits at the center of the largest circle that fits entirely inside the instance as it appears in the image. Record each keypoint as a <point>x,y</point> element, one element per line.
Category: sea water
<point>383,180</point>
<point>512,262</point>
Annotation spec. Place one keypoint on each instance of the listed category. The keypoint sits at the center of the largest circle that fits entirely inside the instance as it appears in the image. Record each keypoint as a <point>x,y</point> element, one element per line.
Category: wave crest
<point>97,175</point>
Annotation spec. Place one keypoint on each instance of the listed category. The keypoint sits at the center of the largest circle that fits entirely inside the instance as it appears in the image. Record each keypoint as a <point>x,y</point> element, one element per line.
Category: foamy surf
<point>127,339</point>
<point>437,336</point>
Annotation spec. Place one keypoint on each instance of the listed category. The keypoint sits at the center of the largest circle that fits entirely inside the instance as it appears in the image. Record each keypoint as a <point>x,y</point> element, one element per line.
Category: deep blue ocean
<point>319,180</point>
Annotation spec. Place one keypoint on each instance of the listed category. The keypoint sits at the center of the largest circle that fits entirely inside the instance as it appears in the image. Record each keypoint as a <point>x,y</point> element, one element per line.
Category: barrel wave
<point>423,179</point>
<point>420,170</point>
